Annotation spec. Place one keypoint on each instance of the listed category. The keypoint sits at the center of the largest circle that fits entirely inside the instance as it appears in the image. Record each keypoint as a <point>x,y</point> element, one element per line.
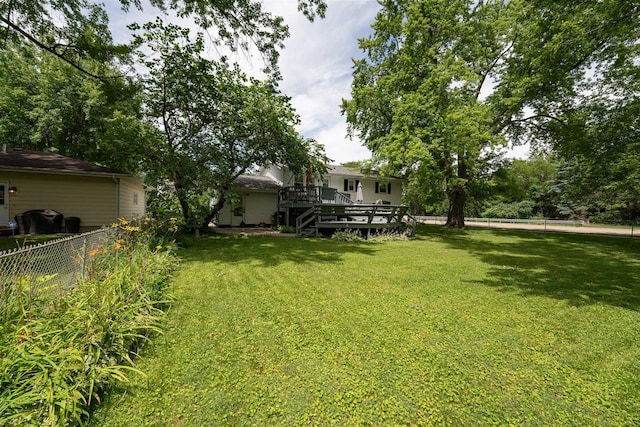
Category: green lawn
<point>18,241</point>
<point>476,327</point>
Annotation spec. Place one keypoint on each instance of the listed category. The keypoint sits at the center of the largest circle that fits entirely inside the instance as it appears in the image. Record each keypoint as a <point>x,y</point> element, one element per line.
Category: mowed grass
<point>475,327</point>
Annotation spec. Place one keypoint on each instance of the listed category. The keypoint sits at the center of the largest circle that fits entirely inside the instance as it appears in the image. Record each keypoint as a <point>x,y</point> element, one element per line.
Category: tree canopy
<point>74,30</point>
<point>417,97</point>
<point>189,123</point>
<point>444,82</point>
<point>47,105</point>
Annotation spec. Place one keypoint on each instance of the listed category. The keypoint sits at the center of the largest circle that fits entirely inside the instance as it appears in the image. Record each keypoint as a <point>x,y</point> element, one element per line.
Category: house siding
<point>92,199</point>
<point>258,207</point>
<point>368,188</point>
<point>132,199</point>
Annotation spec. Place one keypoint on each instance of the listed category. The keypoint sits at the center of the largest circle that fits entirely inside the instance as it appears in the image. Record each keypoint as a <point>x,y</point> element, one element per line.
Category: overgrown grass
<point>476,327</point>
<point>60,350</point>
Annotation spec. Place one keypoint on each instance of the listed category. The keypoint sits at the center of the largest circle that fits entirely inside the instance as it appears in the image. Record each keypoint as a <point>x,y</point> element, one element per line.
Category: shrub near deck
<point>477,327</point>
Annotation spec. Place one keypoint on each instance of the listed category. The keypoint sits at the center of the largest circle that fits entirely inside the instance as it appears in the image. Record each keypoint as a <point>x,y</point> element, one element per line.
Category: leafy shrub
<point>286,229</point>
<point>347,236</point>
<point>523,210</point>
<point>382,236</point>
<point>60,351</point>
<point>389,236</point>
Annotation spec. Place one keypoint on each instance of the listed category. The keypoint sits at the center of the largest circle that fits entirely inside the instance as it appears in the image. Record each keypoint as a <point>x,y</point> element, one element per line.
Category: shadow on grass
<point>271,251</point>
<point>580,269</point>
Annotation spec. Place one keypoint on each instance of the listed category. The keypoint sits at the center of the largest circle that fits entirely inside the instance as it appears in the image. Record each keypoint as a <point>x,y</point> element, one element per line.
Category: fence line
<point>57,264</point>
<point>539,224</point>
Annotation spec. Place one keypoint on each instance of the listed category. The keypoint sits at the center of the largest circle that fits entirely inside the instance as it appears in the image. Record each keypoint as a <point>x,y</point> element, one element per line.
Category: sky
<point>316,66</point>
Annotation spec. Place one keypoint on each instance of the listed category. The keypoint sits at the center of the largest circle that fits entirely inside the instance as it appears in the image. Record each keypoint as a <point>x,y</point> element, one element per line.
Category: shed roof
<point>29,160</point>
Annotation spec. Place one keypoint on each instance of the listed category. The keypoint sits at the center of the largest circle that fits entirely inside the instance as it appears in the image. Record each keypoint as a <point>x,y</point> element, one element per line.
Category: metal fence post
<point>84,257</point>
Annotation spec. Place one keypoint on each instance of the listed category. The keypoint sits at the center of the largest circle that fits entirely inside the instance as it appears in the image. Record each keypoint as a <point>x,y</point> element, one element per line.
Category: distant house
<point>33,180</point>
<point>270,192</point>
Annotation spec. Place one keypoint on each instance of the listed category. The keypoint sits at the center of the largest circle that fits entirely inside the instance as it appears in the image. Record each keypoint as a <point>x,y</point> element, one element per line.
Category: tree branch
<point>51,50</point>
<point>537,116</point>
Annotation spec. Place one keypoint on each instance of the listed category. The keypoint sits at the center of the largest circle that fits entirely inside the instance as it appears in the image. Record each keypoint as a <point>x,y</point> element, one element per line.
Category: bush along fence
<point>68,334</point>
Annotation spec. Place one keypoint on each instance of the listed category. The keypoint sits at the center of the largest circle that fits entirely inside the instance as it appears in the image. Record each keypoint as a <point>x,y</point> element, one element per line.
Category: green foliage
<point>376,237</point>
<point>379,237</point>
<point>347,236</point>
<point>46,105</point>
<point>62,350</point>
<point>473,327</point>
<point>389,236</point>
<point>75,30</point>
<point>286,229</point>
<point>522,209</point>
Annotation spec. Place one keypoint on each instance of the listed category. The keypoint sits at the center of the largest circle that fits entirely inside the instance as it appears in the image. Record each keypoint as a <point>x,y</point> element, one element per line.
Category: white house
<point>261,196</point>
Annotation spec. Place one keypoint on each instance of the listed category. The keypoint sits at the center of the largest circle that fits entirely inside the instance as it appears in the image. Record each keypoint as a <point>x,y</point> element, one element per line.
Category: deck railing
<point>312,195</point>
<point>364,217</point>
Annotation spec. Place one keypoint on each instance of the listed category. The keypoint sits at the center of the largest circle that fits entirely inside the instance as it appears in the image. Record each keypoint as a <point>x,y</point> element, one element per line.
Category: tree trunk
<point>184,204</point>
<point>455,217</point>
<point>222,199</point>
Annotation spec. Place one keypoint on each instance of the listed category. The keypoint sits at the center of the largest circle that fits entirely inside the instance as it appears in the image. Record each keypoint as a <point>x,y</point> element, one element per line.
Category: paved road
<point>622,231</point>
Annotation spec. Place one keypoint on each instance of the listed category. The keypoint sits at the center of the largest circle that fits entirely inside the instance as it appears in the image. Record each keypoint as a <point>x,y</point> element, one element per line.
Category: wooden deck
<point>366,218</point>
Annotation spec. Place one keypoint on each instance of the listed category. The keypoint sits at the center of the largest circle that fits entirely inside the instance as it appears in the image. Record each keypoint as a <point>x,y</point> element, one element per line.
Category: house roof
<point>19,159</point>
<point>253,182</point>
<point>343,171</point>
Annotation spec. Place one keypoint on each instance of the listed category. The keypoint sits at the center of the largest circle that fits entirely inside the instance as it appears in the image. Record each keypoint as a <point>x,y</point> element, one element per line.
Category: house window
<point>135,197</point>
<point>325,183</point>
<point>383,188</point>
<point>350,185</point>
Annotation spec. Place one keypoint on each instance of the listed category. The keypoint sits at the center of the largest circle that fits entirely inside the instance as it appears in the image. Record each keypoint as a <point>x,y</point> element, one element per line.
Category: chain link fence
<point>55,265</point>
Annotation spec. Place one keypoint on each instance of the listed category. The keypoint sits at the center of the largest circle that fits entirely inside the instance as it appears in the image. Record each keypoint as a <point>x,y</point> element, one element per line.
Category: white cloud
<point>316,67</point>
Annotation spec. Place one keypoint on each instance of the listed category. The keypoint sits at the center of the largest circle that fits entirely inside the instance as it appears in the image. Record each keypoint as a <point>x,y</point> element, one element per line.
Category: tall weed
<point>60,352</point>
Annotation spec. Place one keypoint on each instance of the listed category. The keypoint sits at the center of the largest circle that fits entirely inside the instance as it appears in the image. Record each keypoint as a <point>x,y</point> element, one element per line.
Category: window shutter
<point>389,188</point>
<point>377,187</point>
<point>346,185</point>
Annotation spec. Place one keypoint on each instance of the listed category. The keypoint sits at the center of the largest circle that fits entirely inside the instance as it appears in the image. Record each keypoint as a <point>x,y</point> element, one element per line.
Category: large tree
<point>417,98</point>
<point>217,123</point>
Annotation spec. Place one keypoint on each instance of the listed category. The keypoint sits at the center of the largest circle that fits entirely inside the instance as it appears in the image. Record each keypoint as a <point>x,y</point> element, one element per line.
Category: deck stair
<point>305,223</point>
